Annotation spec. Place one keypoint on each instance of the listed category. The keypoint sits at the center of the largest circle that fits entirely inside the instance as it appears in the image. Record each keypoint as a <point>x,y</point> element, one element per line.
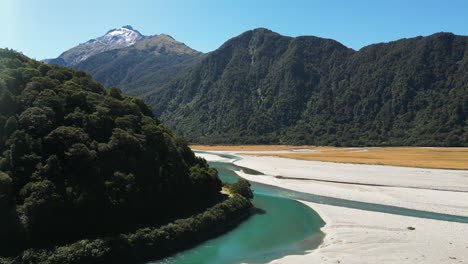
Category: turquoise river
<point>280,226</point>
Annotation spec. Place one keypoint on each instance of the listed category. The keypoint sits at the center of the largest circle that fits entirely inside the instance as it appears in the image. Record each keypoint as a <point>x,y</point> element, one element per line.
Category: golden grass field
<point>439,158</point>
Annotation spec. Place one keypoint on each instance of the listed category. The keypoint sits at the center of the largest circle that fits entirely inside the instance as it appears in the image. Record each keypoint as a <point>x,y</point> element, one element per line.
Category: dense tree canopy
<point>77,160</point>
<point>261,87</point>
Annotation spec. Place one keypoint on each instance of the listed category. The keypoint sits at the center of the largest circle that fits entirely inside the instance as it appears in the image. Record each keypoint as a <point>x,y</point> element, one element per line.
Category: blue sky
<point>44,29</point>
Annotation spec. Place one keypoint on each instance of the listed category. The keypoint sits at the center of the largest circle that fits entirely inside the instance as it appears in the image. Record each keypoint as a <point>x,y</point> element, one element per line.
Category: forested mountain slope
<point>262,87</point>
<point>79,161</point>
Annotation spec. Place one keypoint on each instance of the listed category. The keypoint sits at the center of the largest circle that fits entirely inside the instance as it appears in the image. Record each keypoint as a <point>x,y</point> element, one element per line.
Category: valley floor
<point>357,236</point>
<point>421,157</point>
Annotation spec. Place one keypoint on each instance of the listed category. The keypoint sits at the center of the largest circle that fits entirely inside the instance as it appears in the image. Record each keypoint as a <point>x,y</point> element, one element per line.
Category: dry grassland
<point>439,158</point>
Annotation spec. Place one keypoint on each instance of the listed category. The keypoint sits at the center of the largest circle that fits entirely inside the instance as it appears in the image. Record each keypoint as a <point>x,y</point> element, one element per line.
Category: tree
<point>7,103</point>
<point>241,187</point>
<point>38,121</point>
<point>6,189</point>
<point>63,137</point>
<point>122,189</point>
<point>40,200</point>
<point>116,93</point>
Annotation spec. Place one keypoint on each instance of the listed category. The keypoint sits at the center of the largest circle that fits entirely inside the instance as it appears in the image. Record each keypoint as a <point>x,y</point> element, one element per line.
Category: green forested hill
<point>261,87</point>
<point>142,67</point>
<point>79,161</point>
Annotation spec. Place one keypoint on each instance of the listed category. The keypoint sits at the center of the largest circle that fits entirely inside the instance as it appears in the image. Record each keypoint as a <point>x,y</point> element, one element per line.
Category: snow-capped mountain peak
<point>114,39</point>
<point>122,36</point>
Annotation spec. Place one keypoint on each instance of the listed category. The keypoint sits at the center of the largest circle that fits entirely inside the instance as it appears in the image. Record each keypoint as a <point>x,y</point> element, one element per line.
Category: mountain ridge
<point>262,87</point>
<point>115,38</point>
<point>141,67</point>
<point>137,66</point>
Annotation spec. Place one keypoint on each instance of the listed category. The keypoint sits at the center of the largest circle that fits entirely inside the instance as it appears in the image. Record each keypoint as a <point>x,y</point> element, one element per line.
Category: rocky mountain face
<point>113,39</point>
<point>142,67</point>
<point>124,57</point>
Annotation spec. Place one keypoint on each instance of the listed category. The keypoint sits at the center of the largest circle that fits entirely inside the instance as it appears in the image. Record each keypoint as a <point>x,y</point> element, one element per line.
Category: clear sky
<point>45,28</point>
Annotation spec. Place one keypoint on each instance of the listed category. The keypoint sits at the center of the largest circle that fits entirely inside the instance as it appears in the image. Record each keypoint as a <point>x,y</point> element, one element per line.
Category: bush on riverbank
<point>242,187</point>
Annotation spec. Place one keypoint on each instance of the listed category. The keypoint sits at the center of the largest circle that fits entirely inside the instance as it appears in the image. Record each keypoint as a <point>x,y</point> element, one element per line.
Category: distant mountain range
<point>262,87</point>
<point>126,58</point>
<point>113,39</point>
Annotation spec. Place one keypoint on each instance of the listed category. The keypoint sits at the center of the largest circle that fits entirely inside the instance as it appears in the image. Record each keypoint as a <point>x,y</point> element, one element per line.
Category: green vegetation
<point>241,187</point>
<point>264,88</point>
<point>78,162</point>
<point>145,243</point>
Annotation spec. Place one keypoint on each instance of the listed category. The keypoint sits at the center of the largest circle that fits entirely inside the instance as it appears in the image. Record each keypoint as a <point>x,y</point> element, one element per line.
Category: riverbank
<point>427,157</point>
<point>356,236</point>
<point>362,237</point>
<point>147,243</point>
<point>434,190</point>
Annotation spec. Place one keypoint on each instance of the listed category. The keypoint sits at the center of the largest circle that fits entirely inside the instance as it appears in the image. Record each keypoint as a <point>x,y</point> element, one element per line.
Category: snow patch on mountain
<point>114,39</point>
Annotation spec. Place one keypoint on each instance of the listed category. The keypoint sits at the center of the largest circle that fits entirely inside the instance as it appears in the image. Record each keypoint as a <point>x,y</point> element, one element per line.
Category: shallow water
<point>286,227</point>
<point>279,227</point>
